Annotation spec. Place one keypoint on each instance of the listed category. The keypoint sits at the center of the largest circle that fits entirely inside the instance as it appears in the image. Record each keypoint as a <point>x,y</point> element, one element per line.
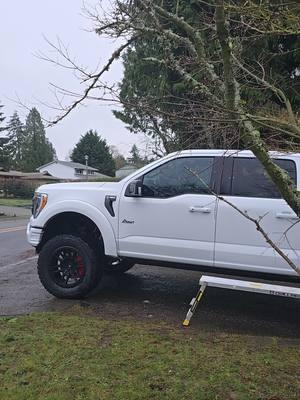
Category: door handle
<point>286,215</point>
<point>204,210</point>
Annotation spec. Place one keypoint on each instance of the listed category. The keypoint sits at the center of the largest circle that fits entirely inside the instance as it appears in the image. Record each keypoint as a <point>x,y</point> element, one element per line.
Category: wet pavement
<point>16,212</point>
<point>159,294</point>
<point>13,243</point>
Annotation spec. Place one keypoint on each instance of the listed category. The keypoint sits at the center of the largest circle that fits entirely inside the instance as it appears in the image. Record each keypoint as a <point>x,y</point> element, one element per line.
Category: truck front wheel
<point>68,267</point>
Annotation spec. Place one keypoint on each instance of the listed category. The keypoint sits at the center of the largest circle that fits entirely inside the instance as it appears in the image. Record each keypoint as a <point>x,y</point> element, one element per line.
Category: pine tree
<point>37,150</point>
<point>2,118</point>
<point>16,135</point>
<point>136,158</point>
<point>96,148</point>
<point>4,157</point>
<point>135,155</point>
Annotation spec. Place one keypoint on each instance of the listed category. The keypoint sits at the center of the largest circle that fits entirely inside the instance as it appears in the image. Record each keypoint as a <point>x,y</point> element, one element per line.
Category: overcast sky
<point>22,75</point>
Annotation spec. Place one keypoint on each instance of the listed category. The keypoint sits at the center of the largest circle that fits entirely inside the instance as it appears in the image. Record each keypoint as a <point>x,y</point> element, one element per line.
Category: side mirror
<point>134,189</point>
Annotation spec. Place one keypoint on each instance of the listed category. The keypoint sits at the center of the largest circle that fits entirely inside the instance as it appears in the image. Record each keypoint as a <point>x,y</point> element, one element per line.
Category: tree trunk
<point>251,137</point>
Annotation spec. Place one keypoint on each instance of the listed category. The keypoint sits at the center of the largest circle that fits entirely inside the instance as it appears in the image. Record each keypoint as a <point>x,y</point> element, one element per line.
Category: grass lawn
<point>15,202</point>
<point>79,356</point>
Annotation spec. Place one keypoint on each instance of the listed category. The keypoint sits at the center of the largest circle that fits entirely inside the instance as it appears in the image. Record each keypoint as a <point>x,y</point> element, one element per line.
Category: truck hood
<point>79,187</point>
<point>71,186</point>
<point>89,192</point>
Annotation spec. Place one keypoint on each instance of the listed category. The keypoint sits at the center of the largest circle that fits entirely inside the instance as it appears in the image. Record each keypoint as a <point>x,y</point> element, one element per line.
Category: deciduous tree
<point>119,159</point>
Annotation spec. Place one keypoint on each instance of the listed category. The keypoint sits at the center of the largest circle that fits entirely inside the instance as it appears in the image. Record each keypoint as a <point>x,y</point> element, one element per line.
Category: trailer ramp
<point>242,285</point>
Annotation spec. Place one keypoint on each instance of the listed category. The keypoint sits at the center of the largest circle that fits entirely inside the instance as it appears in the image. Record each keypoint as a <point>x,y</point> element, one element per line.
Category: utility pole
<point>86,157</point>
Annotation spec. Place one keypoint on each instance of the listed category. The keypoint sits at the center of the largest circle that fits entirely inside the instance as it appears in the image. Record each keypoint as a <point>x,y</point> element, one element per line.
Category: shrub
<point>18,189</point>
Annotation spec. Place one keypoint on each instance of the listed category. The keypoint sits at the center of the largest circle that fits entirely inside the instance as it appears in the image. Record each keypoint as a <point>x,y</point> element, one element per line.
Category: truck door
<point>174,218</point>
<point>238,243</point>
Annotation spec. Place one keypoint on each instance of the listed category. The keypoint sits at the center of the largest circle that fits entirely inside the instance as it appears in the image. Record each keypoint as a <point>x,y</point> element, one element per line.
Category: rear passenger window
<point>250,179</point>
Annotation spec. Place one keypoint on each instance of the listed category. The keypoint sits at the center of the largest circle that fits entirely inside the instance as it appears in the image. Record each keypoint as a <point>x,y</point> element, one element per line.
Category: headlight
<point>39,202</point>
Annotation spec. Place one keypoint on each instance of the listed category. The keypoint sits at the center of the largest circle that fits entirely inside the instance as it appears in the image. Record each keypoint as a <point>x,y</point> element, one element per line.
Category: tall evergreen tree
<point>16,135</point>
<point>4,157</point>
<point>2,118</point>
<point>96,148</point>
<point>158,102</point>
<point>136,157</point>
<point>135,154</point>
<point>37,148</point>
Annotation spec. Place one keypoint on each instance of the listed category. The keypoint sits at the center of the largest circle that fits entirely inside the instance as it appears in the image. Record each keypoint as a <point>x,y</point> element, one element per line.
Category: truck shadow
<point>163,294</point>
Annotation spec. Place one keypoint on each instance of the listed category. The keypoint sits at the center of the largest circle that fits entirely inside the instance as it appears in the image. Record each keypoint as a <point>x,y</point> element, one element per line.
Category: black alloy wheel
<point>68,267</point>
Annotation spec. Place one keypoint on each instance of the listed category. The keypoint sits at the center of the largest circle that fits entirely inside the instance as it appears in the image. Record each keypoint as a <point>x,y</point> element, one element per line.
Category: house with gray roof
<point>69,170</point>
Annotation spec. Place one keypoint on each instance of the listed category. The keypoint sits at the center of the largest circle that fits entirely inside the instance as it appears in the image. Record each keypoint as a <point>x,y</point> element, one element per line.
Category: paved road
<point>144,293</point>
<point>13,245</point>
<point>16,212</point>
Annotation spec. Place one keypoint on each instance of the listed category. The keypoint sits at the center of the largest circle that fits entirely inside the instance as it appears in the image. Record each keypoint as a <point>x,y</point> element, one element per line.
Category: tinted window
<point>180,176</point>
<point>250,179</point>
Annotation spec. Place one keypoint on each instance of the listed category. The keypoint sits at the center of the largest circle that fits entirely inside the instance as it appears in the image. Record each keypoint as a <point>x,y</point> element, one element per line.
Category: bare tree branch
<point>95,78</point>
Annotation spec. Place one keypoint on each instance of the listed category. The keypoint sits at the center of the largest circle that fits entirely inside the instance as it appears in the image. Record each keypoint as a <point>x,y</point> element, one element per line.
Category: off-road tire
<point>93,267</point>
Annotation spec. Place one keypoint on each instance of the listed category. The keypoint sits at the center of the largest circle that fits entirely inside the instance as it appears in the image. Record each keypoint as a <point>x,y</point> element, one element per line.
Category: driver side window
<point>180,176</point>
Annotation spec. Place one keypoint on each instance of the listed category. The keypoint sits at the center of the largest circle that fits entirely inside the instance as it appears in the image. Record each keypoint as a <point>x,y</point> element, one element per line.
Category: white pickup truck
<point>167,214</point>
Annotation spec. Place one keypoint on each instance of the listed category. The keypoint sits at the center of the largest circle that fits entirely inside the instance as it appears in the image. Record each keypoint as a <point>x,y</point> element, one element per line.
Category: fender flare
<point>88,210</point>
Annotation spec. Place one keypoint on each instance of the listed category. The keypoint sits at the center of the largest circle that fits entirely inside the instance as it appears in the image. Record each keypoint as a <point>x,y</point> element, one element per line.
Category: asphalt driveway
<point>160,294</point>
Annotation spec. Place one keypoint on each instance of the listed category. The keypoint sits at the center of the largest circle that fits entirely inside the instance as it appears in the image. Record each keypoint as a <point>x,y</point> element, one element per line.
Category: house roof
<point>70,164</point>
<point>26,175</point>
<point>12,174</point>
<point>39,176</point>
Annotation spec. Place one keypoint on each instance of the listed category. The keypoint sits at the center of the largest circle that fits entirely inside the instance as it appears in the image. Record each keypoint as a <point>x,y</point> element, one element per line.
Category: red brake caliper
<point>80,268</point>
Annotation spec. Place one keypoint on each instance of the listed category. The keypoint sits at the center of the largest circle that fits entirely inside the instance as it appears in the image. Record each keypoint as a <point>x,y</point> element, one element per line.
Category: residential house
<point>16,183</point>
<point>16,176</point>
<point>69,170</point>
